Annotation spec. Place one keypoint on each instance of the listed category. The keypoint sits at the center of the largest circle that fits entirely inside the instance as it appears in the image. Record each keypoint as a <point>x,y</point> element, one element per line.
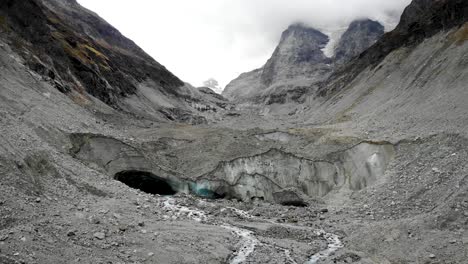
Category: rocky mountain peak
<point>302,31</point>
<point>300,43</point>
<point>360,35</point>
<point>299,48</point>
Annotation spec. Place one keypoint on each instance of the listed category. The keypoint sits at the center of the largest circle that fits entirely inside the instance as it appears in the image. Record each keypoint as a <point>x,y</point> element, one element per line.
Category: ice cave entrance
<point>146,182</point>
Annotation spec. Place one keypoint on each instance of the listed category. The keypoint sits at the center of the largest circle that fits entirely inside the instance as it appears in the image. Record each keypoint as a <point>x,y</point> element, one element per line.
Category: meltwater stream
<point>334,244</point>
<point>248,240</point>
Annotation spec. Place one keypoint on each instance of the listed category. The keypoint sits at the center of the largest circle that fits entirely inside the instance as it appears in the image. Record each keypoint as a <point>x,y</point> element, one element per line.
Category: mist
<point>220,39</point>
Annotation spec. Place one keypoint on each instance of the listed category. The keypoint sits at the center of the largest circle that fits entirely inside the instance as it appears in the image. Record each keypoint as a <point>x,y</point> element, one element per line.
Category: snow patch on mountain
<point>334,35</point>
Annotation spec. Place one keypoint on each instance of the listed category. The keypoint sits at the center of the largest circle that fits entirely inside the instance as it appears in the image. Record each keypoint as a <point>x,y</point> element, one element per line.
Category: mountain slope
<point>83,56</point>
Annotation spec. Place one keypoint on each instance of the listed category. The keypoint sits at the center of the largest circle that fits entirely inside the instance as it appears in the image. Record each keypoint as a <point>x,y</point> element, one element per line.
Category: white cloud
<point>201,39</point>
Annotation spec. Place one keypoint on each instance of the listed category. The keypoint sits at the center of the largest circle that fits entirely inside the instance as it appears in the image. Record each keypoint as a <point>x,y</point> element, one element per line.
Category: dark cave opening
<point>146,182</point>
<point>295,203</point>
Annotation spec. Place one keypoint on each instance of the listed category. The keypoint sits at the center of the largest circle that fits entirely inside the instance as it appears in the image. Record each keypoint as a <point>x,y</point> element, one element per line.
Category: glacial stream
<point>248,241</point>
<point>334,243</point>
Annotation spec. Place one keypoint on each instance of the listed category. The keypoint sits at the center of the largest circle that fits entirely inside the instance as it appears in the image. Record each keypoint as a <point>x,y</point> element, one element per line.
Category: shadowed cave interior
<point>145,181</point>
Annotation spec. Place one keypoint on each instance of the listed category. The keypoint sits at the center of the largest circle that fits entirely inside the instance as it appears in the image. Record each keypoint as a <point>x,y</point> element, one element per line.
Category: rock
<point>359,36</point>
<point>432,256</point>
<point>94,220</point>
<point>117,216</point>
<point>38,200</point>
<point>298,55</point>
<point>104,211</point>
<point>99,235</point>
<point>465,240</point>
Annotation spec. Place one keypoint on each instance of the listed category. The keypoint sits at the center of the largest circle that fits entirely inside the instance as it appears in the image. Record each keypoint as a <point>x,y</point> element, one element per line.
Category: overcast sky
<point>200,39</point>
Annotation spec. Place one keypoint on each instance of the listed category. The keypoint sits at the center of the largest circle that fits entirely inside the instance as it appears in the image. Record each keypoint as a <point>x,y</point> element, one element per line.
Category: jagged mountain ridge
<point>299,61</point>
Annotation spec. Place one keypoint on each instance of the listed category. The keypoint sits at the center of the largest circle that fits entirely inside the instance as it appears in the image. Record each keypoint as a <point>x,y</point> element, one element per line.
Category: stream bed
<point>248,240</point>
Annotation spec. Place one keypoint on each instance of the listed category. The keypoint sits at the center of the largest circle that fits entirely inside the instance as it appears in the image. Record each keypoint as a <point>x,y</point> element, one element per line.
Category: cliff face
<point>246,85</point>
<point>360,35</point>
<point>298,62</point>
<point>82,55</point>
<point>299,53</point>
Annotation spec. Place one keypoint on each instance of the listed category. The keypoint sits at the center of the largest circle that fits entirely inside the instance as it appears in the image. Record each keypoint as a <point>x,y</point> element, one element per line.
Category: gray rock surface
<point>247,85</point>
<point>360,35</point>
<point>299,53</point>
